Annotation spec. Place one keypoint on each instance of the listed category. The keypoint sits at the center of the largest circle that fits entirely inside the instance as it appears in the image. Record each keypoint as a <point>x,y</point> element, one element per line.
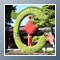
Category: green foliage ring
<point>42,40</point>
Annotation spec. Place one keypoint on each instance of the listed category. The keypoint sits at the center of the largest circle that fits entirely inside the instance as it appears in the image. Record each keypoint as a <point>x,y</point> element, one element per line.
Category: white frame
<point>29,5</point>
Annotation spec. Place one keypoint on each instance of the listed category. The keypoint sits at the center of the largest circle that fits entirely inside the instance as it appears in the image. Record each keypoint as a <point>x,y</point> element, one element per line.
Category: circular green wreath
<point>34,11</point>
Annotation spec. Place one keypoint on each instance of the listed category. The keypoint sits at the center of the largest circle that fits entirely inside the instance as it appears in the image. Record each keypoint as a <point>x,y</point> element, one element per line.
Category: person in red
<point>50,38</point>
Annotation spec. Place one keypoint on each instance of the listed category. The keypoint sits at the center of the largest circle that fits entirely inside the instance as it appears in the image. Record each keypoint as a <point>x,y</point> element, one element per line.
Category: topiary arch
<point>34,11</point>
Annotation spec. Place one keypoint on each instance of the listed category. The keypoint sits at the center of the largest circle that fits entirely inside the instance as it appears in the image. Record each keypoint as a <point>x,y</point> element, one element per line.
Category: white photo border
<point>29,5</point>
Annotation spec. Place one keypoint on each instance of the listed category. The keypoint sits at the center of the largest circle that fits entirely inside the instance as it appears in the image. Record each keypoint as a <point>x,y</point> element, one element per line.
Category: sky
<point>21,7</point>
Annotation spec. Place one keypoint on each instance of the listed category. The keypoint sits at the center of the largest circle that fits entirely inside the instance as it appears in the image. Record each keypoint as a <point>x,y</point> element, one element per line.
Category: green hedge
<point>42,40</point>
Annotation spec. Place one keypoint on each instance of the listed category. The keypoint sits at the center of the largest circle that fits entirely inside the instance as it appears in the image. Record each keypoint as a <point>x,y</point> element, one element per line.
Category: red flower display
<point>30,28</point>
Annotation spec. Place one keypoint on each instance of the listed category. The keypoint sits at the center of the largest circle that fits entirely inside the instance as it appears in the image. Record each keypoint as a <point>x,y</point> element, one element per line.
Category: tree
<point>45,19</point>
<point>50,11</point>
<point>8,10</point>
